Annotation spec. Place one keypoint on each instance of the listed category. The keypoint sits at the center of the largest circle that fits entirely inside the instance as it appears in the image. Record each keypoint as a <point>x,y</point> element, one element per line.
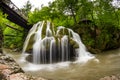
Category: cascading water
<point>45,45</point>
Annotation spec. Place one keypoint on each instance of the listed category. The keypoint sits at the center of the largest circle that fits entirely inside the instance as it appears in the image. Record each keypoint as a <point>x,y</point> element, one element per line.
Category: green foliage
<point>55,12</point>
<point>2,20</point>
<point>39,15</point>
<point>26,8</point>
<point>103,33</point>
<point>105,19</point>
<point>13,38</point>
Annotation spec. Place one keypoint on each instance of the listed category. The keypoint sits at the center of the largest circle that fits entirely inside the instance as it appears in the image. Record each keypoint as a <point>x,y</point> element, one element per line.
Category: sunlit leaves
<point>26,8</point>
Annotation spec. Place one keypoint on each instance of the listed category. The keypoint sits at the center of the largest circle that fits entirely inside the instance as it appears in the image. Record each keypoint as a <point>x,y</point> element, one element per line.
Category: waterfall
<point>50,46</point>
<point>64,45</point>
<point>83,54</point>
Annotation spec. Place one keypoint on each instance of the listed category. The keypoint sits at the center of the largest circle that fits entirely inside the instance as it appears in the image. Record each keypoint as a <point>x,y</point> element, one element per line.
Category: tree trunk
<point>73,14</point>
<point>92,15</point>
<point>1,40</point>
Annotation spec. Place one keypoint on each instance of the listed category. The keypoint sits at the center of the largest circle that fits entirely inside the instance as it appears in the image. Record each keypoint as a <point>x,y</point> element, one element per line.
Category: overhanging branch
<point>13,28</point>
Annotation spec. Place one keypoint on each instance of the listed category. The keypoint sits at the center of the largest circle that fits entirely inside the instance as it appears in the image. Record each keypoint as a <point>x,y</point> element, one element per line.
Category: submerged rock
<point>46,44</point>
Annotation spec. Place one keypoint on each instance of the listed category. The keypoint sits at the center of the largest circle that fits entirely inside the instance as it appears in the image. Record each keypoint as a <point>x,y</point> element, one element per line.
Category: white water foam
<point>40,45</point>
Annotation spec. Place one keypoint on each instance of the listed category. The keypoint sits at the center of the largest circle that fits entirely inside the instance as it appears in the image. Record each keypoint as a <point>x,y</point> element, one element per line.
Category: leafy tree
<point>39,15</point>
<point>2,20</point>
<point>12,38</point>
<point>67,7</point>
<point>103,17</point>
<point>27,8</point>
<point>1,30</point>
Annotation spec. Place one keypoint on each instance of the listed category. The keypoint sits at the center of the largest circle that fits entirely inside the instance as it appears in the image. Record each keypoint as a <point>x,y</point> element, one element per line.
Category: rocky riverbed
<point>10,70</point>
<point>112,77</point>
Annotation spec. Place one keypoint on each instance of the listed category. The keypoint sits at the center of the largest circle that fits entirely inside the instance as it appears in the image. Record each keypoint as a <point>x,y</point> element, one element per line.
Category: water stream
<point>108,64</point>
<point>50,46</point>
<point>61,55</point>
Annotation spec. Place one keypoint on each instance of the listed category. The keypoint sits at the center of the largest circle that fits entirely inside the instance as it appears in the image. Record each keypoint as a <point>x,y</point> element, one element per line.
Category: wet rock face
<point>10,70</point>
<point>10,62</point>
<point>56,57</point>
<point>46,44</point>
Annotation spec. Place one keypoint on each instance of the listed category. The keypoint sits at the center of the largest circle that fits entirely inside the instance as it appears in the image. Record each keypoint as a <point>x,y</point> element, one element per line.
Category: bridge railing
<point>15,8</point>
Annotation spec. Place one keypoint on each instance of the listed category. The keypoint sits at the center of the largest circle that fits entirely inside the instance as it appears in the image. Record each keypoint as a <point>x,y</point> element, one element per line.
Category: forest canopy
<point>96,21</point>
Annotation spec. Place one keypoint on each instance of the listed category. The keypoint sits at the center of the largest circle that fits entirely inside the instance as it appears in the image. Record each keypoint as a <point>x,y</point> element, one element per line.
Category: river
<point>106,63</point>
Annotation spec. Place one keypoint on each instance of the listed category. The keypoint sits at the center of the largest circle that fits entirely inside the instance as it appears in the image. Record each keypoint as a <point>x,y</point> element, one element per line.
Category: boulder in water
<point>49,45</point>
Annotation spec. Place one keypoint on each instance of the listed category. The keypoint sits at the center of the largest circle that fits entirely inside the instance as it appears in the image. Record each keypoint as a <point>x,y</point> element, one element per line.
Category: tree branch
<point>13,28</point>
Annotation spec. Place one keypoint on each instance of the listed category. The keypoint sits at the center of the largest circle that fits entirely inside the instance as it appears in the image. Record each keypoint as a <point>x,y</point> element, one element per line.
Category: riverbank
<point>10,70</point>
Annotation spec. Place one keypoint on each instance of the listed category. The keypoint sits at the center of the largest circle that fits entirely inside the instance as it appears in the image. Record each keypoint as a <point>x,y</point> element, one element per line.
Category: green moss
<point>61,32</point>
<point>31,42</point>
<point>56,39</point>
<point>44,29</point>
<point>66,31</point>
<point>75,46</point>
<point>74,43</point>
<point>43,36</point>
<point>52,28</point>
<point>70,35</point>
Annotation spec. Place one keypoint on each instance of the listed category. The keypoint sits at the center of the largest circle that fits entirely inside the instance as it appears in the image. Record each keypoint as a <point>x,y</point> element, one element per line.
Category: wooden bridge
<point>15,15</point>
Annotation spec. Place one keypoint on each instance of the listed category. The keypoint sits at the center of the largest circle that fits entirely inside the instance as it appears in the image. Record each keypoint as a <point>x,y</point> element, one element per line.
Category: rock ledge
<point>10,70</point>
